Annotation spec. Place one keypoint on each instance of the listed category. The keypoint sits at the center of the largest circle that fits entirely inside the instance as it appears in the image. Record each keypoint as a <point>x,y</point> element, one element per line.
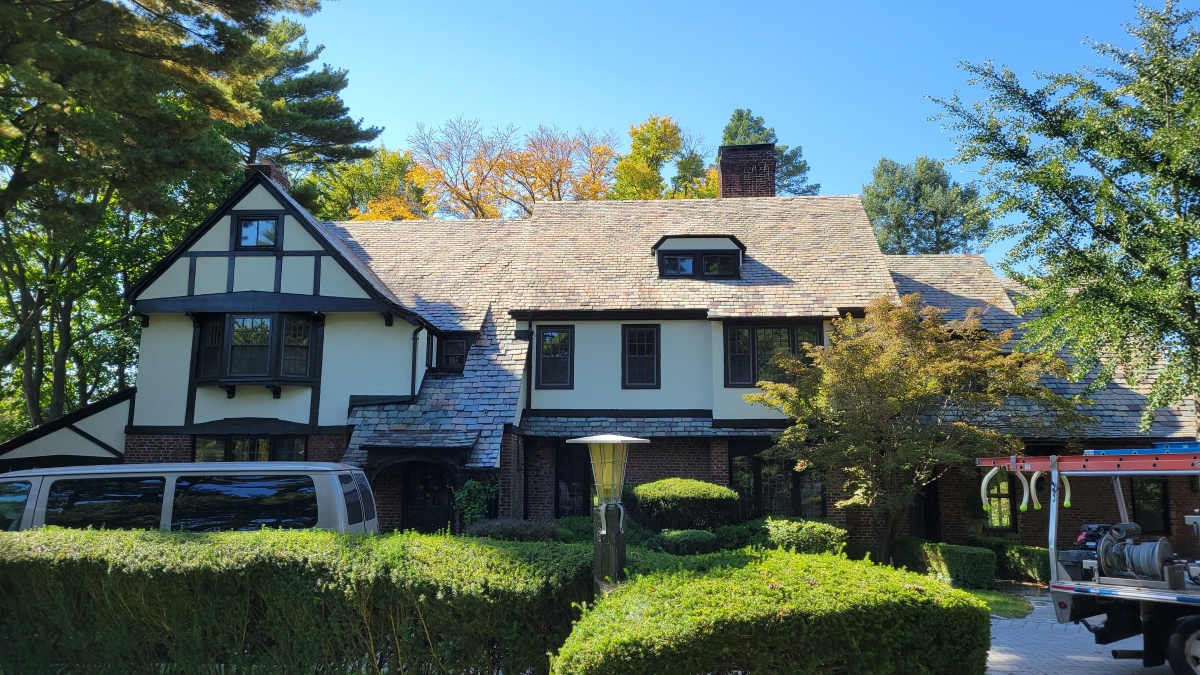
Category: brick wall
<point>151,448</point>
<point>747,172</point>
<point>512,476</point>
<point>327,447</point>
<point>389,496</point>
<point>540,466</point>
<point>718,461</point>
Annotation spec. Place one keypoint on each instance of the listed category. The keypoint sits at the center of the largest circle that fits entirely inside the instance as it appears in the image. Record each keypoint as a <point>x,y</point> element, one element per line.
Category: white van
<point>193,497</point>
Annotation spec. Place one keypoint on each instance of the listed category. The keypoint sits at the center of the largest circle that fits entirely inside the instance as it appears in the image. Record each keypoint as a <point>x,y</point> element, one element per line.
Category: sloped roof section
<point>805,257</point>
<point>957,282</point>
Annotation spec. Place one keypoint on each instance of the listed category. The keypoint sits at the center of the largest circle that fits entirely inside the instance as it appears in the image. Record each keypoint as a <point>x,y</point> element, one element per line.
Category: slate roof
<point>957,282</point>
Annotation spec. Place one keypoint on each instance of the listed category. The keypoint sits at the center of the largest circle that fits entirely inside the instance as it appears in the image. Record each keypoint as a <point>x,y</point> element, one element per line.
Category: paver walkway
<point>1039,645</point>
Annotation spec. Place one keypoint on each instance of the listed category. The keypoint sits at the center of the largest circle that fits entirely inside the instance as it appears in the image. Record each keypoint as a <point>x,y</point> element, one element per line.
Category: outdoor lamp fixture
<point>609,453</point>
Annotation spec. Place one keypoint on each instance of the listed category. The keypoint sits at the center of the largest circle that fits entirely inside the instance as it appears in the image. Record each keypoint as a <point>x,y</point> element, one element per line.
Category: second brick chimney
<point>747,170</point>
<point>270,169</point>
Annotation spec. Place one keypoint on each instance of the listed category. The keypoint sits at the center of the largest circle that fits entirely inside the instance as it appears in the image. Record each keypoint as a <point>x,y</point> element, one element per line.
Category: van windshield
<point>216,503</point>
<point>131,503</point>
<point>12,504</point>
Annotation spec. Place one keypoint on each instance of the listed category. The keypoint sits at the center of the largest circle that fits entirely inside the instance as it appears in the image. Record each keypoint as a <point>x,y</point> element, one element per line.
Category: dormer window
<point>257,232</point>
<point>699,256</point>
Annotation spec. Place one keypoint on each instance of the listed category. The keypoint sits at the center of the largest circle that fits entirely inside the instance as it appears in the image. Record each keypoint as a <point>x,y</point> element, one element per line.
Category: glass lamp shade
<point>609,453</point>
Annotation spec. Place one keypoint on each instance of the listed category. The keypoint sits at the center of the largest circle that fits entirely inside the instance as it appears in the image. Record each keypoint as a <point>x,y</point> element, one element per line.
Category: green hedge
<point>1016,561</point>
<point>968,566</point>
<point>681,504</point>
<point>780,613</point>
<point>283,601</point>
<point>805,536</point>
<point>515,529</point>
<point>686,542</point>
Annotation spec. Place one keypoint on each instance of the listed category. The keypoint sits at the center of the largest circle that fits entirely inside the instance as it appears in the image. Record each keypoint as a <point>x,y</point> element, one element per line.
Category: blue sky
<point>845,80</point>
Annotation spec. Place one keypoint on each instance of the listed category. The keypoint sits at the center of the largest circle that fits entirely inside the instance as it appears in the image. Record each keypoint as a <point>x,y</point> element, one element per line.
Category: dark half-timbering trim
<point>608,314</point>
<point>96,441</point>
<point>360,401</point>
<point>242,425</point>
<point>751,424</point>
<point>68,420</point>
<point>258,302</point>
<point>615,412</point>
<point>318,366</point>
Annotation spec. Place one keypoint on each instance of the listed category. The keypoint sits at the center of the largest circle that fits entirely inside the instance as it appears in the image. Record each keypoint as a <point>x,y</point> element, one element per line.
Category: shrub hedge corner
<point>780,612</point>
<point>686,542</point>
<point>968,566</point>
<point>1016,561</point>
<point>283,601</point>
<point>681,504</point>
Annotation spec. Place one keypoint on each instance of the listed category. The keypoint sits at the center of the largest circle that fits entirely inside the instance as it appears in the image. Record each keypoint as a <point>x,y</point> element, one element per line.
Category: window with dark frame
<point>239,448</point>
<point>640,357</point>
<point>1000,503</point>
<point>554,356</point>
<point>212,337</point>
<point>573,481</point>
<point>250,348</point>
<point>1150,504</point>
<point>297,332</point>
<point>772,487</point>
<point>751,351</point>
<point>257,232</point>
<point>454,354</point>
<point>720,265</point>
<point>678,265</point>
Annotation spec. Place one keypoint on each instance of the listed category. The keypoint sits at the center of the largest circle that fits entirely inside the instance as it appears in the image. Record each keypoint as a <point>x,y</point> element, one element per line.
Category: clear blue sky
<point>845,80</point>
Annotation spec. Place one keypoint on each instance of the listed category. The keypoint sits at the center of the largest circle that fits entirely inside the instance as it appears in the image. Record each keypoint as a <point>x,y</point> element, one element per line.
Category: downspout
<point>524,443</point>
<point>413,378</point>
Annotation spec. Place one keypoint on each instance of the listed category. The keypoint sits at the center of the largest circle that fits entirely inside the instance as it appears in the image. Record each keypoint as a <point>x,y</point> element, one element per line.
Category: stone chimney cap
<point>271,169</point>
<point>750,147</point>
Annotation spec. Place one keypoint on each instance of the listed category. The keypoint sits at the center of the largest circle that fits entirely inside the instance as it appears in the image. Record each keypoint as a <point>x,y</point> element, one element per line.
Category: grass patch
<point>1002,604</point>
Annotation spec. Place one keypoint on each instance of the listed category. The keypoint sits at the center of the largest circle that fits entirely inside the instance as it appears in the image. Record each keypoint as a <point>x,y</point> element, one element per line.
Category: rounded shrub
<point>681,504</point>
<point>686,542</point>
<point>804,536</point>
<point>1015,561</point>
<point>514,529</point>
<point>968,566</point>
<point>780,612</point>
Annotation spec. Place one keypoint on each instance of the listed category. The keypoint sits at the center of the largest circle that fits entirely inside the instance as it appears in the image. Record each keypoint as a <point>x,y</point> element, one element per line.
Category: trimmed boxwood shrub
<point>681,504</point>
<point>780,613</point>
<point>1016,561</point>
<point>283,601</point>
<point>804,536</point>
<point>968,566</point>
<point>515,529</point>
<point>686,542</point>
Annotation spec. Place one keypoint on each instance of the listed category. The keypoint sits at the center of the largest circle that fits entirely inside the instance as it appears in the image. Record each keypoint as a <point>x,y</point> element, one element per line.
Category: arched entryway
<point>428,497</point>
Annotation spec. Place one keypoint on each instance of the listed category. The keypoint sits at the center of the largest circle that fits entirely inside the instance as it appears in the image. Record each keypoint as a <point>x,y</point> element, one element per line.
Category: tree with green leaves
<point>791,169</point>
<point>302,120</point>
<point>1101,167</point>
<point>654,143</point>
<point>919,208</point>
<point>385,186</point>
<point>895,400</point>
<point>110,113</point>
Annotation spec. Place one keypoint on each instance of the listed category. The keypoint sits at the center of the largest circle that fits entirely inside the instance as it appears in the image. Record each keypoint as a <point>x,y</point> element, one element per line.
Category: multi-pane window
<point>677,265</point>
<point>720,265</point>
<point>250,352</point>
<point>1000,502</point>
<point>772,487</point>
<point>1149,496</point>
<point>454,354</point>
<point>257,232</point>
<point>250,448</point>
<point>212,333</point>
<point>752,352</point>
<point>554,344</point>
<point>572,482</point>
<point>640,357</point>
<point>296,335</point>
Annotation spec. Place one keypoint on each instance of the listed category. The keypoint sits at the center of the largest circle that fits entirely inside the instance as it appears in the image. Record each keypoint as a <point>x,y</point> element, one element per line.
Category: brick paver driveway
<point>1039,645</point>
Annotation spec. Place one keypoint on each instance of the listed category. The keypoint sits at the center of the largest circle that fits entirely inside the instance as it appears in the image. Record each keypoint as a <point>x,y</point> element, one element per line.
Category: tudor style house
<point>430,352</point>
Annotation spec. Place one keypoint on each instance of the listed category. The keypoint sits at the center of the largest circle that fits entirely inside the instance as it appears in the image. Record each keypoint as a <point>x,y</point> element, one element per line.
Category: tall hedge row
<point>1016,561</point>
<point>283,601</point>
<point>968,566</point>
<point>780,612</point>
<point>681,504</point>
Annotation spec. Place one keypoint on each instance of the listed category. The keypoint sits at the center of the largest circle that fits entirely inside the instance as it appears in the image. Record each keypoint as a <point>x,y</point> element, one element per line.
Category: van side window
<point>106,503</point>
<point>216,503</point>
<point>12,504</point>
<point>368,497</point>
<point>354,510</point>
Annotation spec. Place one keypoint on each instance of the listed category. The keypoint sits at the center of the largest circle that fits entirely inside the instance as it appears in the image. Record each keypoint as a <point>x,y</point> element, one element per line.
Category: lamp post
<point>609,453</point>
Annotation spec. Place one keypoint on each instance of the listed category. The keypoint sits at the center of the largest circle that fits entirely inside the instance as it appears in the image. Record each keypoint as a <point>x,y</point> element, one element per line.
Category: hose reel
<point>1145,560</point>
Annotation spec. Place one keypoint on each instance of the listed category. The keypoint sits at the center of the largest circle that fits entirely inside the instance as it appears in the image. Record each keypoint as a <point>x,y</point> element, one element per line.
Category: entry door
<point>429,498</point>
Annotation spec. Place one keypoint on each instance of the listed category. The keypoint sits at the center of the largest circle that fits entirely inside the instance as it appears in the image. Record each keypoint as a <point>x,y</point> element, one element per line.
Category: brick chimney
<point>270,169</point>
<point>747,170</point>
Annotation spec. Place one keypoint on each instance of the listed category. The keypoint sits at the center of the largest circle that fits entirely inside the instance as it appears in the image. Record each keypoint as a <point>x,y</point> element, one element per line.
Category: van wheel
<point>1183,647</point>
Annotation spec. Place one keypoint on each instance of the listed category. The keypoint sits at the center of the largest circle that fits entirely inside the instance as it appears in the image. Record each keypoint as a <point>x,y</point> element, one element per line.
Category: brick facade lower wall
<point>512,476</point>
<point>153,448</point>
<point>327,447</point>
<point>389,497</point>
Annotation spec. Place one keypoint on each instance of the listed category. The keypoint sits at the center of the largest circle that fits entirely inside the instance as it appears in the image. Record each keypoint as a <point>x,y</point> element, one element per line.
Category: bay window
<point>255,347</point>
<point>751,350</point>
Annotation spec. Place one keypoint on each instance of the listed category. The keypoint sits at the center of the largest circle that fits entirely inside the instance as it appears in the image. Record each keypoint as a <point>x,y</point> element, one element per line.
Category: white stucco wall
<point>216,239</point>
<point>335,282</point>
<point>296,238</point>
<point>108,425</point>
<point>258,200</point>
<point>727,401</point>
<point>163,362</point>
<point>686,379</point>
<point>63,442</point>
<point>212,275</point>
<point>171,284</point>
<point>253,273</point>
<point>297,275</point>
<point>253,401</point>
<point>363,357</point>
